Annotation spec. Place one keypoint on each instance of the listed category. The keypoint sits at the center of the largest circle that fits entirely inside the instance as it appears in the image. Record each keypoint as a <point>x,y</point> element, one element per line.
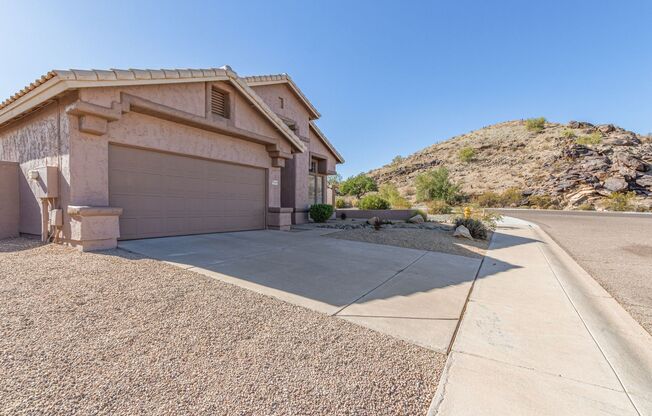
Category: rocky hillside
<point>576,164</point>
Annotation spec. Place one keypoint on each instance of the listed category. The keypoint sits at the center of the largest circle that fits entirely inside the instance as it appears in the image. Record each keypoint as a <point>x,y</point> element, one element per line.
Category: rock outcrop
<point>576,163</point>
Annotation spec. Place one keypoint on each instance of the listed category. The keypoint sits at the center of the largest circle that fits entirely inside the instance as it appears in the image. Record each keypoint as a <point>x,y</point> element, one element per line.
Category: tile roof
<point>282,79</point>
<point>116,75</point>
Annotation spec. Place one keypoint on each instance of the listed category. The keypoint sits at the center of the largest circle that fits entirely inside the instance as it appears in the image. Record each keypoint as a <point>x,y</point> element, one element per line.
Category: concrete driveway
<point>411,294</point>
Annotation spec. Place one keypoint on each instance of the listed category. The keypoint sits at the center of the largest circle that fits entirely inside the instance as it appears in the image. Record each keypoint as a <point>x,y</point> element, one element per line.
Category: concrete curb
<point>625,345</point>
<point>623,341</point>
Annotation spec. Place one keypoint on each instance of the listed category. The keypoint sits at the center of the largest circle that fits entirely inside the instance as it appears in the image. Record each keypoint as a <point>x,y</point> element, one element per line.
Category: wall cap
<point>88,211</point>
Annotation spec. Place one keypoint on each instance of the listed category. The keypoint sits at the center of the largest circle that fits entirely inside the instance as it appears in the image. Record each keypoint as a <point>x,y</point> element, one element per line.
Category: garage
<point>164,194</point>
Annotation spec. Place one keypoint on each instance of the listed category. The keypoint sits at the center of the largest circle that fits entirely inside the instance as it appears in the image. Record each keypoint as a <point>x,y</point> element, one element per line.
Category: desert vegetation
<point>467,154</point>
<point>436,185</point>
<point>358,185</point>
<point>535,124</point>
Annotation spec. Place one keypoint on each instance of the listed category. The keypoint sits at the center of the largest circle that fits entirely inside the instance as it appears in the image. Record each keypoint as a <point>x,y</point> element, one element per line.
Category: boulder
<point>579,124</point>
<point>417,219</point>
<point>630,161</point>
<point>462,232</point>
<point>622,139</point>
<point>596,163</point>
<point>606,128</point>
<point>373,220</point>
<point>615,184</point>
<point>645,181</point>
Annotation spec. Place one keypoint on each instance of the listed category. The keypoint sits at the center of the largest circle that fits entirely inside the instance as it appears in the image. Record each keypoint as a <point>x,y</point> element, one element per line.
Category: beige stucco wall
<point>9,200</point>
<point>317,146</point>
<point>34,142</point>
<point>293,108</point>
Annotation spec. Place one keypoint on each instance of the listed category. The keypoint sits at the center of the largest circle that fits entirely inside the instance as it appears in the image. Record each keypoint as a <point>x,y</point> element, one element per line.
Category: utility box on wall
<point>9,200</point>
<point>44,182</point>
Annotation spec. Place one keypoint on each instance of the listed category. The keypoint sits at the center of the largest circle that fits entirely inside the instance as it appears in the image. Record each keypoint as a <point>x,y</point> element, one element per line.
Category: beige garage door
<point>164,194</point>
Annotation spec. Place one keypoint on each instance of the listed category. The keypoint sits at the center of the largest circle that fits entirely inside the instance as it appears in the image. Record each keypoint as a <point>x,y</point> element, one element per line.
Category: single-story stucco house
<point>90,157</point>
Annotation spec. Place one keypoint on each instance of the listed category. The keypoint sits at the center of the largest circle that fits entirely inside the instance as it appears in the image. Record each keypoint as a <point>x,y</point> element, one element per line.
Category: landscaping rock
<point>462,232</point>
<point>373,220</point>
<point>417,219</point>
<point>615,184</point>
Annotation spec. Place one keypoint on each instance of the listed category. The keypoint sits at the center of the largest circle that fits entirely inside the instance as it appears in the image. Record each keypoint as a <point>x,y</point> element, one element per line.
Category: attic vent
<point>219,103</point>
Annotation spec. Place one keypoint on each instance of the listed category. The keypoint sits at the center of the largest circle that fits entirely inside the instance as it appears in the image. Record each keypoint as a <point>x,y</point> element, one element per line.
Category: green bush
<point>389,192</point>
<point>511,196</point>
<point>321,212</point>
<point>488,199</point>
<point>620,201</point>
<point>358,185</point>
<point>535,124</point>
<point>421,212</point>
<point>373,202</point>
<point>436,185</point>
<point>397,159</point>
<point>340,203</point>
<point>467,154</point>
<point>592,139</point>
<point>476,227</point>
<point>586,207</point>
<point>542,202</point>
<point>569,134</point>
<point>439,207</point>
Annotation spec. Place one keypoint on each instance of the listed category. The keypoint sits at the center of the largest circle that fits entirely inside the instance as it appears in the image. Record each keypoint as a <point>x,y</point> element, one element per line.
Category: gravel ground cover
<point>436,239</point>
<point>115,333</point>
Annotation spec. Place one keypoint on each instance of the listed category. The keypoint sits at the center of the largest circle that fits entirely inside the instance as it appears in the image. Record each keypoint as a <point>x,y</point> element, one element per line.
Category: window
<point>281,102</point>
<point>219,103</point>
<point>315,184</point>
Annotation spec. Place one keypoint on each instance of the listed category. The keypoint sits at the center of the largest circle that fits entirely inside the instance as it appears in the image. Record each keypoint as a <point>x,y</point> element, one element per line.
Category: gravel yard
<point>115,333</point>
<point>421,239</point>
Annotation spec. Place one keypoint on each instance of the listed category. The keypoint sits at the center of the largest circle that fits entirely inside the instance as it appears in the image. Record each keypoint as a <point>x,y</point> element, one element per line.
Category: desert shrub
<point>439,207</point>
<point>389,193</point>
<point>586,207</point>
<point>321,212</point>
<point>568,134</point>
<point>542,202</point>
<point>620,201</point>
<point>511,197</point>
<point>592,139</point>
<point>421,212</point>
<point>466,154</point>
<point>488,199</point>
<point>373,201</point>
<point>535,124</point>
<point>476,227</point>
<point>436,184</point>
<point>397,159</point>
<point>358,185</point>
<point>340,203</point>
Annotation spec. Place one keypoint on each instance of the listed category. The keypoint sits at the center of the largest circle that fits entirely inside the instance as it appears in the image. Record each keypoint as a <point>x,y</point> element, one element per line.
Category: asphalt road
<point>615,248</point>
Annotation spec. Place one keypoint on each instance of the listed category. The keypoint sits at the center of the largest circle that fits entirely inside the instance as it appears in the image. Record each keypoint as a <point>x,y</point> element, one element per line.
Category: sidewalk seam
<point>381,284</point>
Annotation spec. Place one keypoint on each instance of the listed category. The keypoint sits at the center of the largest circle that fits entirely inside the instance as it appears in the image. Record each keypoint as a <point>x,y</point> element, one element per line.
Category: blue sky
<point>388,77</point>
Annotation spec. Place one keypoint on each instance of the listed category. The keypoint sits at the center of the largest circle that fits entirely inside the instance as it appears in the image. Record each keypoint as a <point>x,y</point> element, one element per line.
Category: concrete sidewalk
<point>543,338</point>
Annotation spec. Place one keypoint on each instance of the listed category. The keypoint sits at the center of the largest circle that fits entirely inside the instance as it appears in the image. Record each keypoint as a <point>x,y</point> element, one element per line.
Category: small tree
<point>334,180</point>
<point>389,192</point>
<point>436,185</point>
<point>358,185</point>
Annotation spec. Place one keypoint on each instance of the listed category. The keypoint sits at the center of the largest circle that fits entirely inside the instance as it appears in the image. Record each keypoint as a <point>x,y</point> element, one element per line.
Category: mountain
<point>575,164</point>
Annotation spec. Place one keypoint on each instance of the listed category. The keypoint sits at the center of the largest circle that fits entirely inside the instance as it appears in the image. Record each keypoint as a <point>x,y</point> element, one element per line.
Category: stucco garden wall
<point>9,200</point>
<point>34,142</point>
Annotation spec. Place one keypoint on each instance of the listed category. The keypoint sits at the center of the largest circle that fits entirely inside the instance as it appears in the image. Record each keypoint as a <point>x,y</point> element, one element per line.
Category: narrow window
<point>281,102</point>
<point>219,103</point>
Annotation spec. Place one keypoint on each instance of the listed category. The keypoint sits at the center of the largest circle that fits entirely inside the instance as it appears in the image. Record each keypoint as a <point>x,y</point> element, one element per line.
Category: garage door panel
<point>163,194</point>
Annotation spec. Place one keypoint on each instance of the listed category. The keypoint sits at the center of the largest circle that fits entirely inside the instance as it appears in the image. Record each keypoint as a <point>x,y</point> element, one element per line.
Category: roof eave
<point>330,146</point>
